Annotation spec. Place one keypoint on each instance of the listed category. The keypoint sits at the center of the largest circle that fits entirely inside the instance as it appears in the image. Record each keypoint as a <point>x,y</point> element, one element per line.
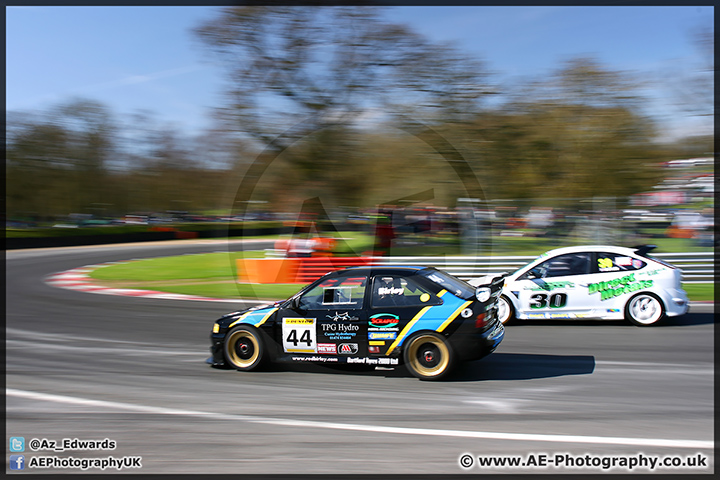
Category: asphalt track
<point>87,366</point>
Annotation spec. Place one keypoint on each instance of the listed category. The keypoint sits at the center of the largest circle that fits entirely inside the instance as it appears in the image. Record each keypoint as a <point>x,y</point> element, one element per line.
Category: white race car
<point>594,282</point>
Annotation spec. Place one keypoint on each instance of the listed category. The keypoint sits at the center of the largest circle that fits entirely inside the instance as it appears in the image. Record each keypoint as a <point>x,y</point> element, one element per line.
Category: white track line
<point>645,442</point>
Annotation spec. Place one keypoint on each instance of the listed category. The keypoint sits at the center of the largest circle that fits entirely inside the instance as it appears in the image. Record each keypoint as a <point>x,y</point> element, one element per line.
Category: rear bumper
<point>474,346</point>
<point>676,303</point>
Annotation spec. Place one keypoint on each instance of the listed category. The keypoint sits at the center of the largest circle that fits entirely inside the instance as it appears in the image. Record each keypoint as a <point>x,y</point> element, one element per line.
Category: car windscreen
<point>452,284</point>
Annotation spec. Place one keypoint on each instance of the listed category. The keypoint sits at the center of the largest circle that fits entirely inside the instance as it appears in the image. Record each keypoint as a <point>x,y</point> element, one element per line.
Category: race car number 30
<point>299,335</point>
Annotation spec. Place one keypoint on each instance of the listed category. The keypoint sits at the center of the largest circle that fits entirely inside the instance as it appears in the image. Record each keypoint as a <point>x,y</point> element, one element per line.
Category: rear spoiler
<point>492,289</point>
<point>643,250</point>
<point>496,285</point>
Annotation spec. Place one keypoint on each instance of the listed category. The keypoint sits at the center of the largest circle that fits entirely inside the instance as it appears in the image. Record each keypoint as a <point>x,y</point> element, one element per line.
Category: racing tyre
<point>505,310</point>
<point>428,356</point>
<point>244,349</point>
<point>644,309</point>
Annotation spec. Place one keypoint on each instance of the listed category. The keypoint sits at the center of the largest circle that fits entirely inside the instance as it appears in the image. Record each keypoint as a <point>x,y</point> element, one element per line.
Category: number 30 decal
<point>542,300</point>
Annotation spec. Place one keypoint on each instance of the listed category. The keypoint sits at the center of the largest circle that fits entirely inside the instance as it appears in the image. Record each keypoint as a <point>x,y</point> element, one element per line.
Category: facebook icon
<point>17,462</point>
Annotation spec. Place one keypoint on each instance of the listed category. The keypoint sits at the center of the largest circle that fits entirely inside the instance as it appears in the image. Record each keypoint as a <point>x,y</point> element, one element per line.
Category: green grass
<point>700,292</point>
<point>354,243</point>
<point>675,245</point>
<point>185,267</point>
<point>346,243</point>
<point>278,291</point>
<point>212,275</point>
<point>73,232</point>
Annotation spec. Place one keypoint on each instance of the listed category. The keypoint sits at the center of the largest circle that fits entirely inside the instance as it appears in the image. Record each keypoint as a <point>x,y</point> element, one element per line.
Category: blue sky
<point>133,58</point>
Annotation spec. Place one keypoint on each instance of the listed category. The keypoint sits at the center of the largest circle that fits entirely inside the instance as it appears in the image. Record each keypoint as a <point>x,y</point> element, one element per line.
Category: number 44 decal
<point>543,300</point>
<point>305,338</point>
<point>298,335</point>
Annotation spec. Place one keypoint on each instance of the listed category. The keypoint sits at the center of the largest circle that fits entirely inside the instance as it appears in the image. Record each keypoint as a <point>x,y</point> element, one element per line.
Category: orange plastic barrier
<point>293,270</point>
<point>315,267</point>
<point>267,270</point>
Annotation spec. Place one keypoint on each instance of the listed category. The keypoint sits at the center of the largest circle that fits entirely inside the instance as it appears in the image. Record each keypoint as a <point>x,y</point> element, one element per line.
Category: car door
<point>552,289</point>
<point>610,274</point>
<point>328,320</point>
<point>395,301</point>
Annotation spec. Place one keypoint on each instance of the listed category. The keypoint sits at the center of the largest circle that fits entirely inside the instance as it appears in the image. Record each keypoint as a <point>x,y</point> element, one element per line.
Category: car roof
<point>383,269</point>
<point>591,248</point>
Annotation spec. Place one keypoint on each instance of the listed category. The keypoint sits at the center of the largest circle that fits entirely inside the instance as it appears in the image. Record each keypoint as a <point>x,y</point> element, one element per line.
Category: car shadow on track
<point>522,366</point>
<point>689,319</point>
<point>498,366</point>
<point>681,321</point>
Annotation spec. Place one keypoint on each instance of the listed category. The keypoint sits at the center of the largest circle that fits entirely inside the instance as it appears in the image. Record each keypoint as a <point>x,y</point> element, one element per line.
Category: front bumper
<point>217,356</point>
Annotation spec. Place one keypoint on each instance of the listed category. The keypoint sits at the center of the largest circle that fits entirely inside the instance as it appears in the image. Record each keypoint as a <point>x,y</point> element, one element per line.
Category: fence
<point>696,267</point>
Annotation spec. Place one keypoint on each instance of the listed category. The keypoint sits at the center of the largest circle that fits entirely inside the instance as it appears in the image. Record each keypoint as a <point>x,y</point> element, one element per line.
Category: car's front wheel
<point>644,309</point>
<point>505,310</point>
<point>428,356</point>
<point>244,348</point>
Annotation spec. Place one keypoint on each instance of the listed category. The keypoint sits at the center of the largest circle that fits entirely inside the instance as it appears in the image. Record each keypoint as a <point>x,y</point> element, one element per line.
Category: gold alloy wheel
<point>427,356</point>
<point>242,348</point>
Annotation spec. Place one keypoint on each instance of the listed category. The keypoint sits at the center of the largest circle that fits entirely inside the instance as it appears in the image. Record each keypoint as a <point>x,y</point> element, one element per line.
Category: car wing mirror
<point>535,273</point>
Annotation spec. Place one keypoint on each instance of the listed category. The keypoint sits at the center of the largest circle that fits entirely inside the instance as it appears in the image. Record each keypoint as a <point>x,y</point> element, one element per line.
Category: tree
<point>318,74</point>
<point>38,168</point>
<point>90,134</point>
<point>694,89</point>
<point>331,64</point>
<point>577,134</point>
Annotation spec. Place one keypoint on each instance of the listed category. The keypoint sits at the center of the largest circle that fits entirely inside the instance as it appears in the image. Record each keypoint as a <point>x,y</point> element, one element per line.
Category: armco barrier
<point>696,267</point>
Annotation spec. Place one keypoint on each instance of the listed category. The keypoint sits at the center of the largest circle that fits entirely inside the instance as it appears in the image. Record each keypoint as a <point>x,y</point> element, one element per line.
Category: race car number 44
<point>299,335</point>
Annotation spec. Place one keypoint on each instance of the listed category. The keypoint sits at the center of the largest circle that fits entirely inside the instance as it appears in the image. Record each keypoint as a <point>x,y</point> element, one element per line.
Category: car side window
<point>562,265</point>
<point>397,291</point>
<point>615,262</point>
<point>338,292</point>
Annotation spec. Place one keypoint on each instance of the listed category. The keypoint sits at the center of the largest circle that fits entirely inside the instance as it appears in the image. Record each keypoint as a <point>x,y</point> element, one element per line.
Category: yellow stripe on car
<point>407,328</point>
<point>245,315</point>
<point>454,315</point>
<point>266,317</point>
<point>240,319</point>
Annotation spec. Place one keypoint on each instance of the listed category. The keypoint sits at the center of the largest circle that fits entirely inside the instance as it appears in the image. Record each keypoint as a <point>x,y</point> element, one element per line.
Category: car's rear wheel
<point>505,310</point>
<point>428,356</point>
<point>244,348</point>
<point>644,309</point>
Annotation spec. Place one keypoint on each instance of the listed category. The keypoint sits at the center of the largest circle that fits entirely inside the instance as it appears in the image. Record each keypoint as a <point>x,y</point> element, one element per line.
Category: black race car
<point>377,316</point>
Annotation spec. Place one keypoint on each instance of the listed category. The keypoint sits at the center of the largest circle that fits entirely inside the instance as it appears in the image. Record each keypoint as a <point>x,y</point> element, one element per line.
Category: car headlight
<point>216,328</point>
<point>482,294</point>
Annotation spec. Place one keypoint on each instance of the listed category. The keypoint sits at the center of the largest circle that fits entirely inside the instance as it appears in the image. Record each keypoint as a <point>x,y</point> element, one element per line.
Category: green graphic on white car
<point>594,282</point>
